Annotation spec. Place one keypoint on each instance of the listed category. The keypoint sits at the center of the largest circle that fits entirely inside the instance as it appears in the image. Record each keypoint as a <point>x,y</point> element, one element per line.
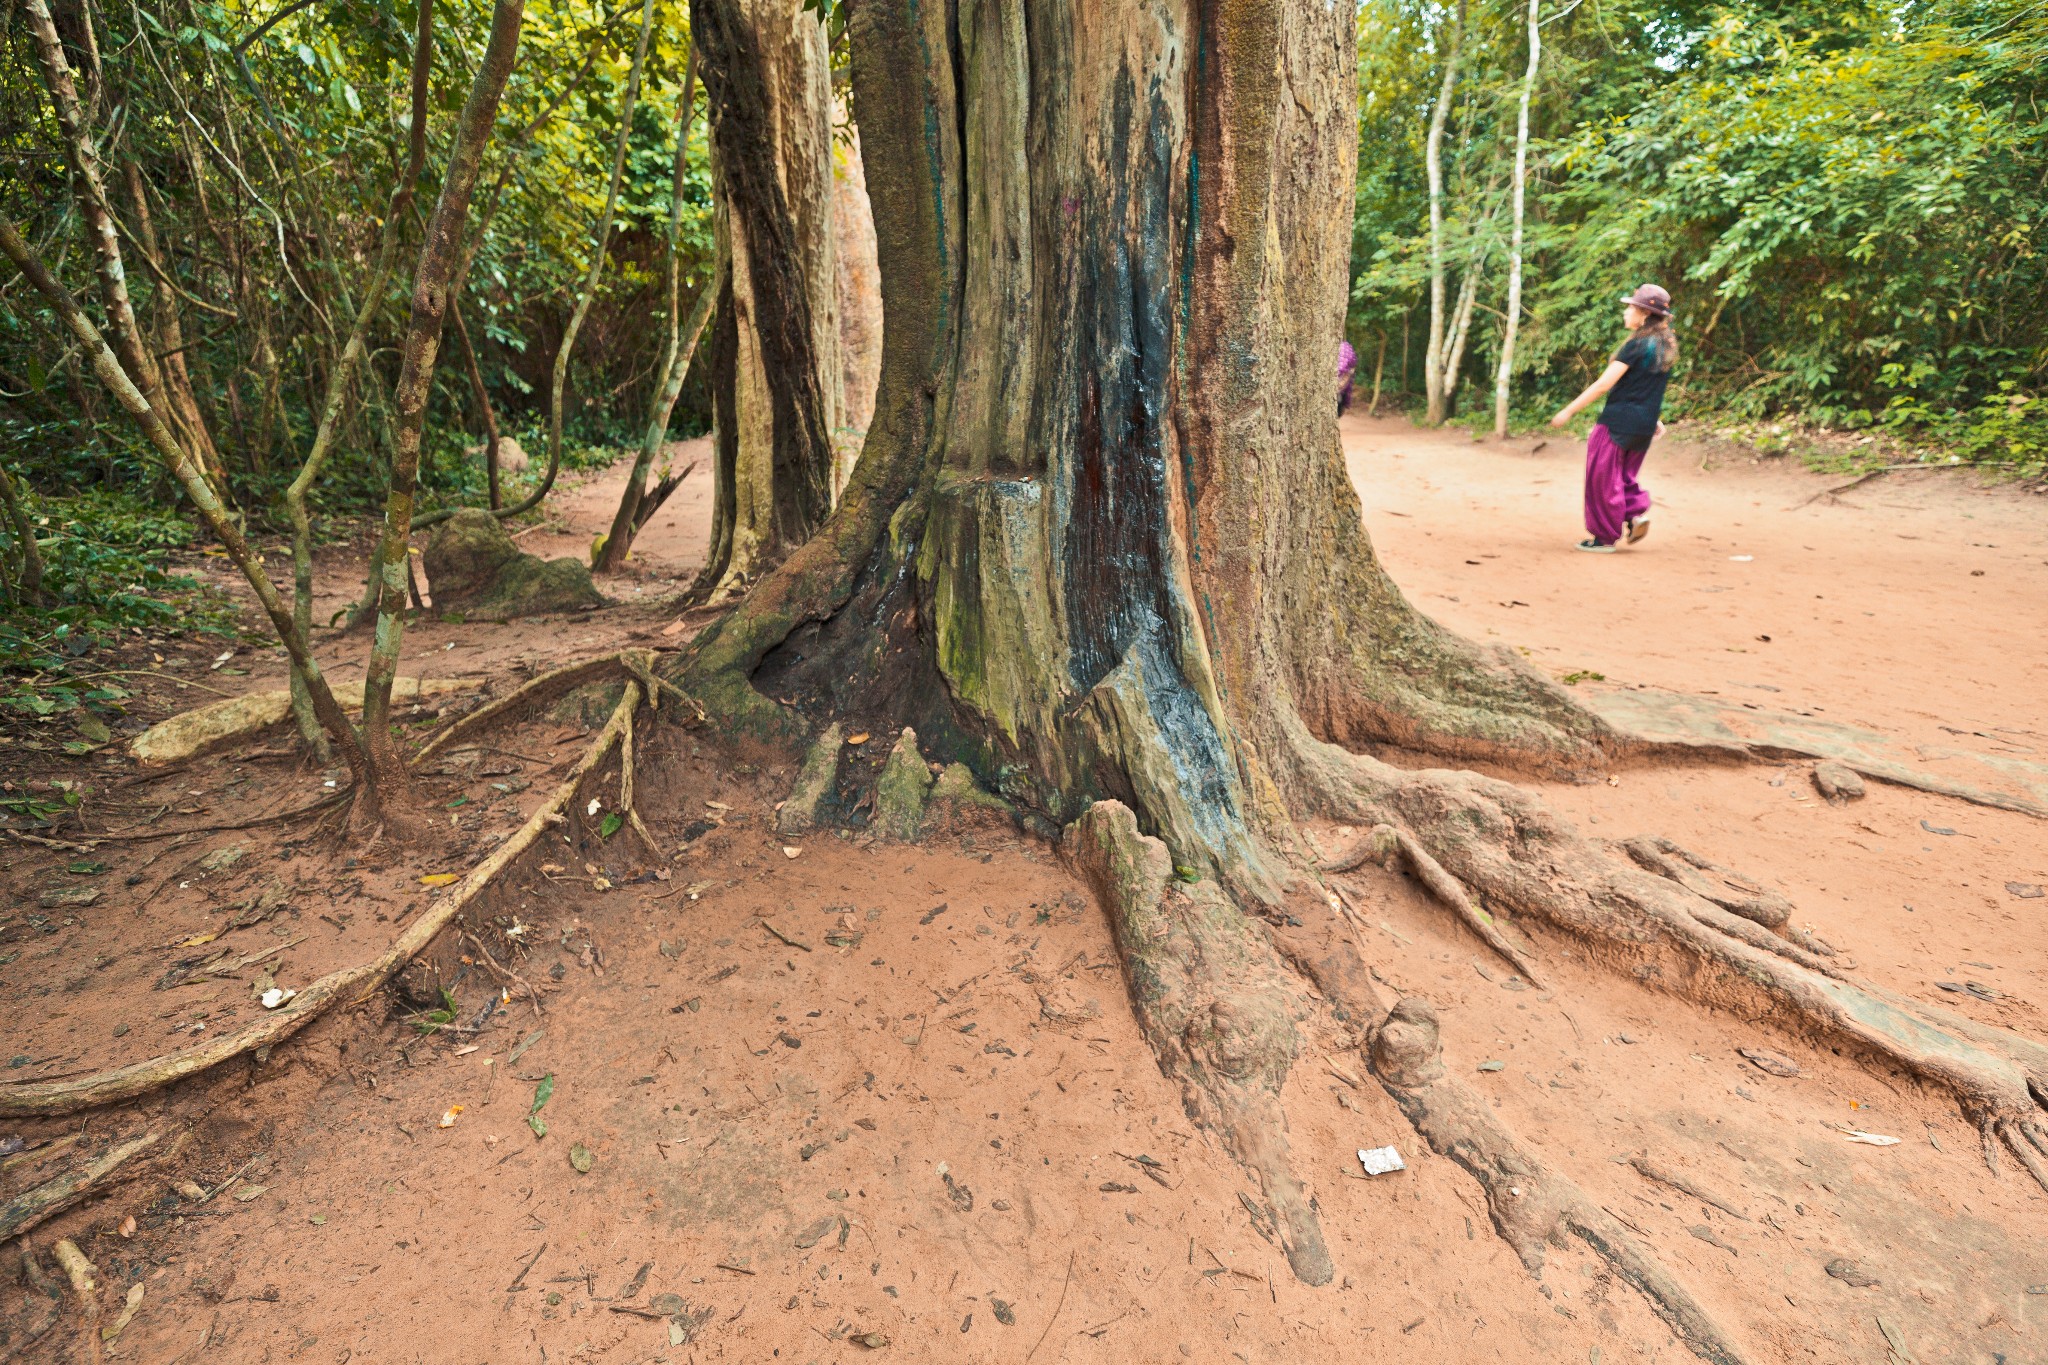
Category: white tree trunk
<point>1514,310</point>
<point>860,290</point>
<point>1433,148</point>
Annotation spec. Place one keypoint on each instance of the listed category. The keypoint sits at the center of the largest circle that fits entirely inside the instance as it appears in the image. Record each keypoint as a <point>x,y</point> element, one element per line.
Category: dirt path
<point>918,1107</point>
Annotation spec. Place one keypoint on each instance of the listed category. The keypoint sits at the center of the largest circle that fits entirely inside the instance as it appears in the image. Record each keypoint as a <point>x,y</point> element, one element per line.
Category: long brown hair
<point>1658,330</point>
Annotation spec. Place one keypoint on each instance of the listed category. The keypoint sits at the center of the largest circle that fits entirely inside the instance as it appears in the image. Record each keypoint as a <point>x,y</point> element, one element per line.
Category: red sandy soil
<point>929,1127</point>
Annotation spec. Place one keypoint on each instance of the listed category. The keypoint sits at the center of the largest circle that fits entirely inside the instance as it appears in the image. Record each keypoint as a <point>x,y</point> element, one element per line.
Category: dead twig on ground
<point>506,974</point>
<point>1055,1310</point>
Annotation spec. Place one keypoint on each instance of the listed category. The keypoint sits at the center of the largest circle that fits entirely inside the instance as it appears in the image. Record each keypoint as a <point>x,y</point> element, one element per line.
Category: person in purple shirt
<point>1347,364</point>
<point>1617,506</point>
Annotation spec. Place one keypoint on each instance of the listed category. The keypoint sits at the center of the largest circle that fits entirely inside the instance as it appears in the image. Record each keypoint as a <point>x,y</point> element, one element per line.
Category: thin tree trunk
<point>1514,310</point>
<point>481,397</point>
<point>1379,366</point>
<point>676,355</point>
<point>439,255</point>
<point>189,476</point>
<point>89,185</point>
<point>775,374</point>
<point>29,587</point>
<point>1461,329</point>
<point>1433,353</point>
<point>598,250</point>
<point>342,372</point>
<point>180,404</point>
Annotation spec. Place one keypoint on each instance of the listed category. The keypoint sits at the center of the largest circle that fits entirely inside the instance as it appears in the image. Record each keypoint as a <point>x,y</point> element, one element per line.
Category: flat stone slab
<point>1715,723</point>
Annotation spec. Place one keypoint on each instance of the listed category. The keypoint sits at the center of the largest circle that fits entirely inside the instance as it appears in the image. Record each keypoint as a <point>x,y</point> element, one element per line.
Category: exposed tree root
<point>81,1272</point>
<point>121,1083</point>
<point>1215,1004</point>
<point>1388,845</point>
<point>1521,856</point>
<point>31,1207</point>
<point>535,690</point>
<point>1532,1207</point>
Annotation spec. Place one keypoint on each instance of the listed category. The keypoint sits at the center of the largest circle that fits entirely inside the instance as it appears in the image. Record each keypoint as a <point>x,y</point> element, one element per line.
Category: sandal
<point>1596,547</point>
<point>1637,529</point>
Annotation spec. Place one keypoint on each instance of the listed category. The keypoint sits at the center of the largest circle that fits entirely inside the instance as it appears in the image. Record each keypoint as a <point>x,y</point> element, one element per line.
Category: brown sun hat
<point>1651,298</point>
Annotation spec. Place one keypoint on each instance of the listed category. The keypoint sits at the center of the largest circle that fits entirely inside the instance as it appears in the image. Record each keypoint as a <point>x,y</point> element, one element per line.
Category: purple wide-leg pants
<point>1613,497</point>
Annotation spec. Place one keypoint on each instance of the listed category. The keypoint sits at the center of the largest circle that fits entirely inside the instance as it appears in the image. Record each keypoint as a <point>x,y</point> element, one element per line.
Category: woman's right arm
<point>1609,377</point>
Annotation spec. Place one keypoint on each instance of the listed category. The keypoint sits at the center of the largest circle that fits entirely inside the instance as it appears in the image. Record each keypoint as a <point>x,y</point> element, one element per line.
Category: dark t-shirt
<point>1637,398</point>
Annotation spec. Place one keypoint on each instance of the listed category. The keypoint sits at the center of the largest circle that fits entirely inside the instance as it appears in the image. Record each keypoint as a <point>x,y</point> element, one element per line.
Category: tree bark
<point>439,255</point>
<point>29,584</point>
<point>180,403</point>
<point>1100,546</point>
<point>89,185</point>
<point>775,372</point>
<point>1433,160</point>
<point>677,352</point>
<point>860,291</point>
<point>1514,309</point>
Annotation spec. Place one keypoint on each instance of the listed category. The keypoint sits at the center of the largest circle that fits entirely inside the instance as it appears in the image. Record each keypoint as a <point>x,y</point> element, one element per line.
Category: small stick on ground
<point>1664,1175</point>
<point>31,1207</point>
<point>506,974</point>
<point>1055,1310</point>
<point>80,1272</point>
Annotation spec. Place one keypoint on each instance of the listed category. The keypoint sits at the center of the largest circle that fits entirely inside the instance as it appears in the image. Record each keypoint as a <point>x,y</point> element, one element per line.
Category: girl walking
<point>1617,506</point>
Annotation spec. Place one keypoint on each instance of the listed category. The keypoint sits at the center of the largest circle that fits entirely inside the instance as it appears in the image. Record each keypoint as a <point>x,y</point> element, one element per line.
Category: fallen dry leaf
<point>127,1228</point>
<point>448,1119</point>
<point>792,852</point>
<point>860,738</point>
<point>439,878</point>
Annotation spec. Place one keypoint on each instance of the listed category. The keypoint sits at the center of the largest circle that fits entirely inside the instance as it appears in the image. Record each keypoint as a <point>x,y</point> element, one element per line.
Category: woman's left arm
<point>1607,380</point>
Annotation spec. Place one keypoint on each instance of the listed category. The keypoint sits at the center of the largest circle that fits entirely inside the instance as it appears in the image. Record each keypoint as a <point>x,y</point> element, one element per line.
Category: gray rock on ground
<point>1838,782</point>
<point>474,567</point>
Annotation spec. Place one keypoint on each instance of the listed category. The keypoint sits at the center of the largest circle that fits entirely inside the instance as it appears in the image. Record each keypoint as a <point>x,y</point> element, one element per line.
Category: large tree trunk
<point>775,372</point>
<point>1100,546</point>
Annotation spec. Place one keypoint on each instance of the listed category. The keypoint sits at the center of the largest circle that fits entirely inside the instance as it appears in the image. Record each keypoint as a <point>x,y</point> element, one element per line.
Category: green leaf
<point>610,825</point>
<point>542,1093</point>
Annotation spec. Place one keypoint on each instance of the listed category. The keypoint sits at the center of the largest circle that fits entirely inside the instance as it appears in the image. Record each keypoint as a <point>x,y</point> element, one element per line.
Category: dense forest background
<point>1847,201</point>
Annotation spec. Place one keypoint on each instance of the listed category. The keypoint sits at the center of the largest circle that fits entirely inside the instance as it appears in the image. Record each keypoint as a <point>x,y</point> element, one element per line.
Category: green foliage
<point>268,160</point>
<point>436,1019</point>
<point>1846,202</point>
<point>103,575</point>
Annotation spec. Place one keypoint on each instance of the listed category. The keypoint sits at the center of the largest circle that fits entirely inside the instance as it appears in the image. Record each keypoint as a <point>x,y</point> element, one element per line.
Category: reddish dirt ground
<point>880,1116</point>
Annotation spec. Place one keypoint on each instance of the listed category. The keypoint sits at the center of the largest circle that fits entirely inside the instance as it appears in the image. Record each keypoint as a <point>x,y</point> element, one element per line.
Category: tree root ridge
<point>345,984</point>
<point>1503,843</point>
<point>1531,1206</point>
<point>1215,1004</point>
